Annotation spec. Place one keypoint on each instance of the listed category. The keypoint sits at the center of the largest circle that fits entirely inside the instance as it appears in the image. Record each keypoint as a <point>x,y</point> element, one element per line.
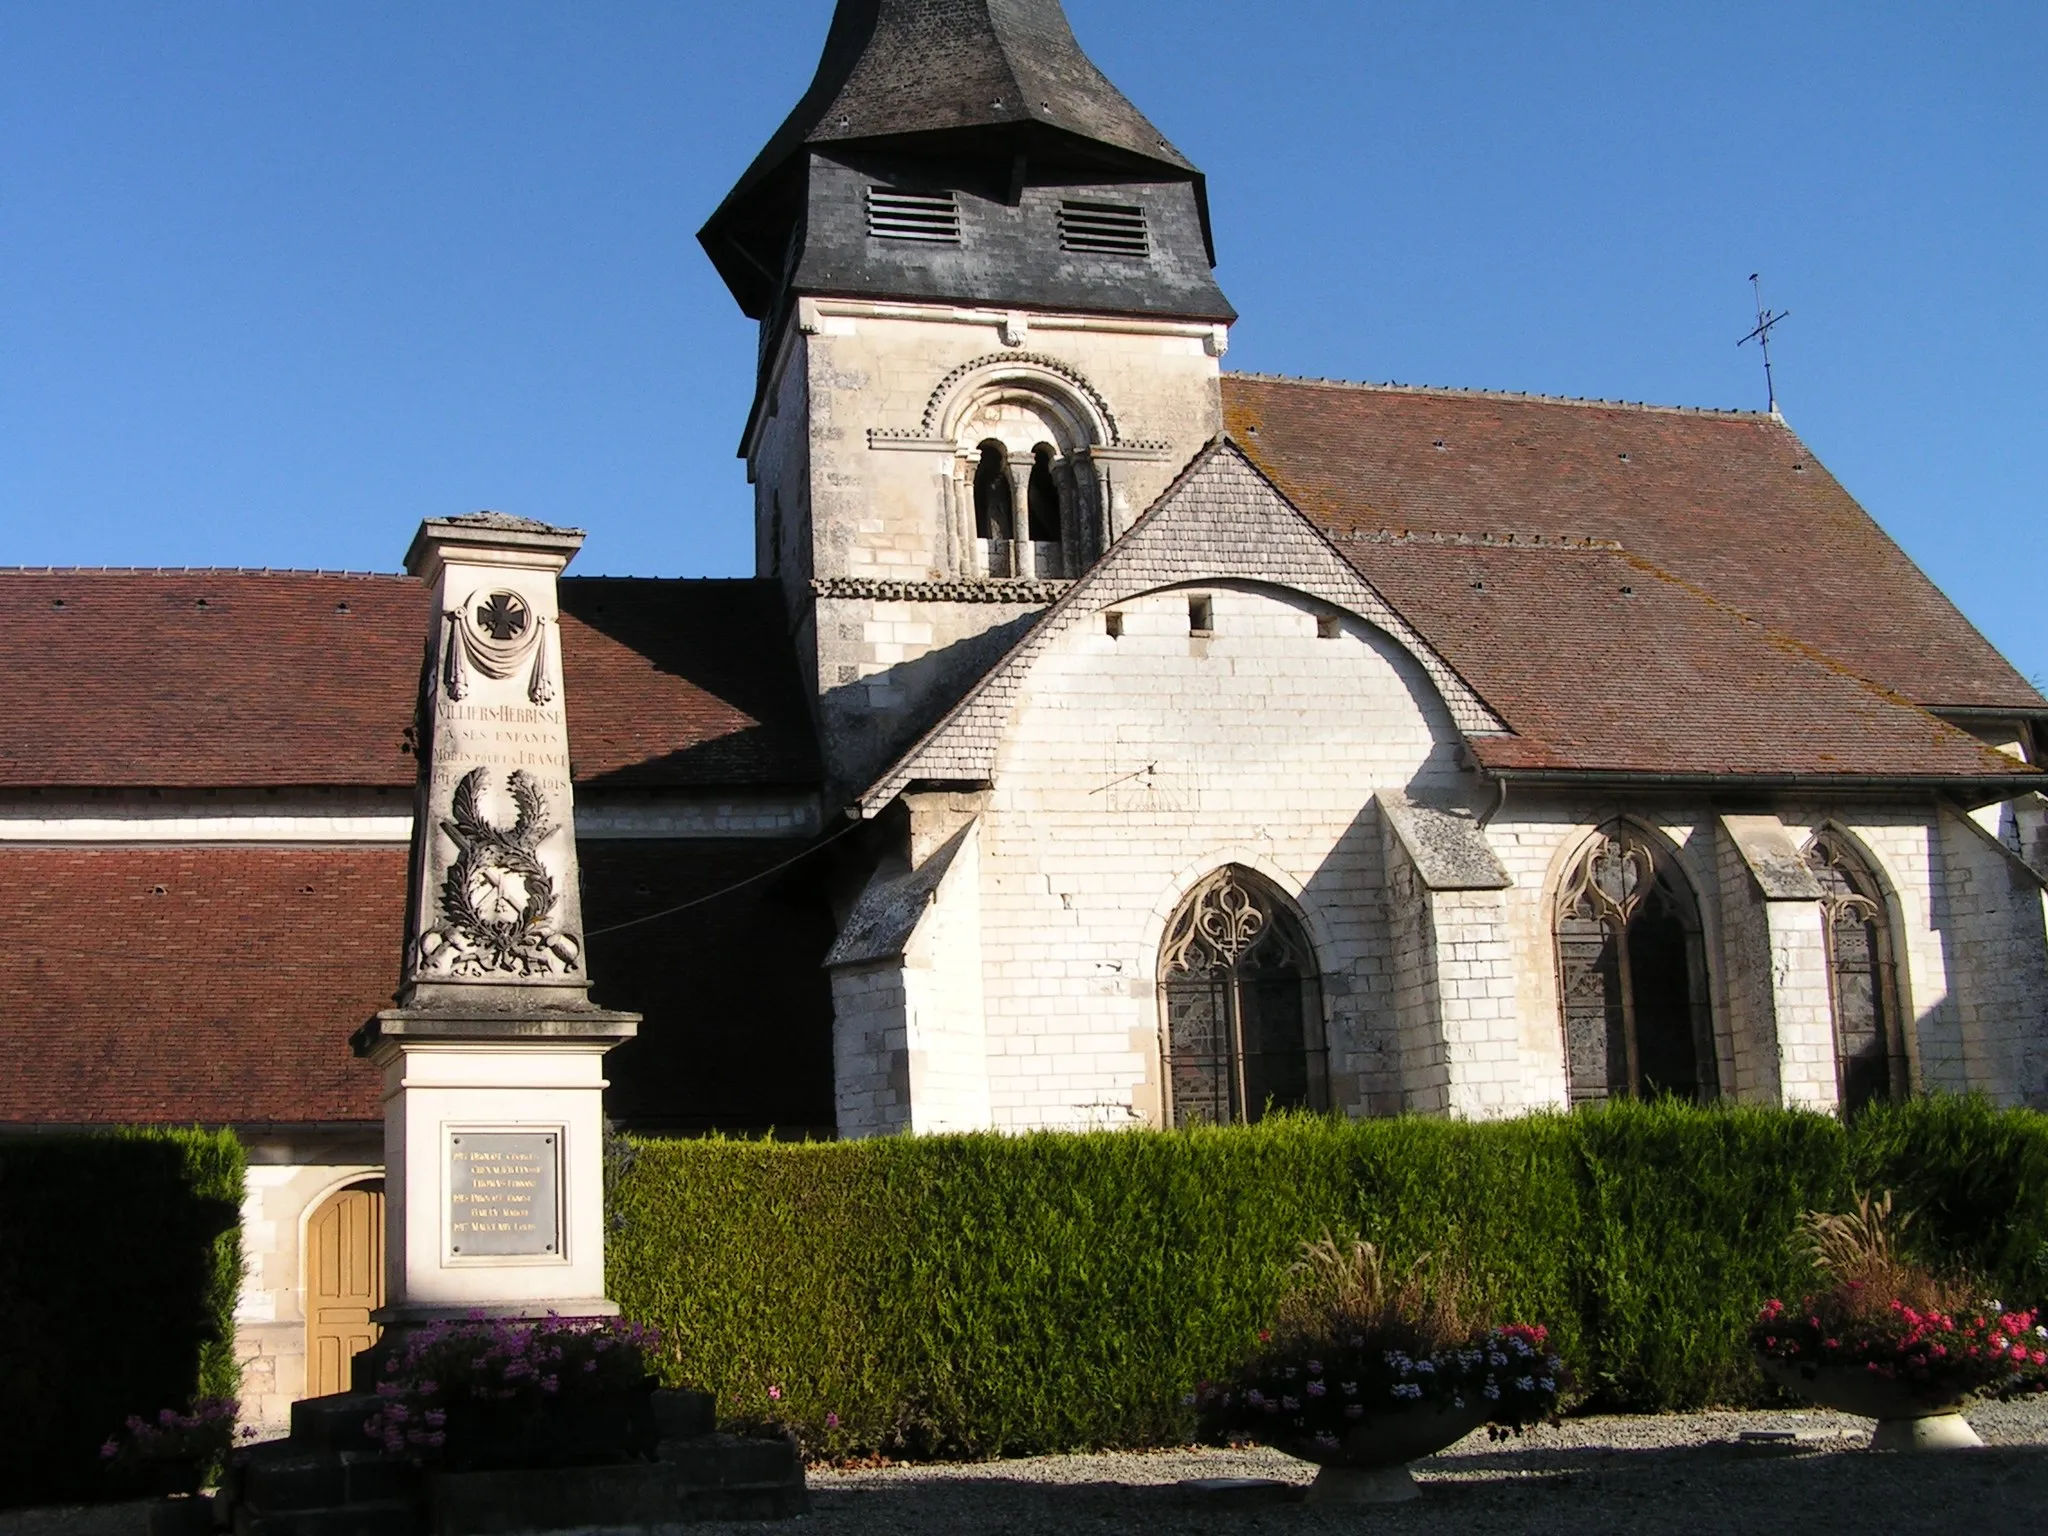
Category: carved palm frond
<point>532,823</point>
<point>466,823</point>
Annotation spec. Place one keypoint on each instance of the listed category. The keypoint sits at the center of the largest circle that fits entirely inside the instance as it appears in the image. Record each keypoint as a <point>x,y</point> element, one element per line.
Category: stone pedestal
<point>494,1146</point>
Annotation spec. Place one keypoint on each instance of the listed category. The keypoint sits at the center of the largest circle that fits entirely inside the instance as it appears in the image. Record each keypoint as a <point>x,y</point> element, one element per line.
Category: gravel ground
<point>1687,1473</point>
<point>1690,1473</point>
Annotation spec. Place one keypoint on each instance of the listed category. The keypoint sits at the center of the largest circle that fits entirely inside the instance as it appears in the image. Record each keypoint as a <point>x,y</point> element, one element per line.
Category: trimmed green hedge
<point>120,1256</point>
<point>988,1295</point>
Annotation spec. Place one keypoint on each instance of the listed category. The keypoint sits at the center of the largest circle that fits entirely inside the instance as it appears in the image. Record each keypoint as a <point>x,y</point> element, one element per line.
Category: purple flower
<point>831,1421</point>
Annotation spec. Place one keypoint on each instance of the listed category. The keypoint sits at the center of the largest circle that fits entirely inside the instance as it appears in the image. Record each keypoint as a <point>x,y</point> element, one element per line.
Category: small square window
<point>1113,624</point>
<point>1328,626</point>
<point>1201,615</point>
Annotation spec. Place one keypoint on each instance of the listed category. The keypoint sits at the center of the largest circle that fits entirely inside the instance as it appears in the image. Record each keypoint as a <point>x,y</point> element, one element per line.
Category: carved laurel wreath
<point>472,941</point>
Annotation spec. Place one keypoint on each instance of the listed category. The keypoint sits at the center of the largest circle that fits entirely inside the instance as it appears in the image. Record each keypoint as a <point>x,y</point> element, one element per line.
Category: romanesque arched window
<point>1632,973</point>
<point>1243,1005</point>
<point>1870,1055</point>
<point>1028,500</point>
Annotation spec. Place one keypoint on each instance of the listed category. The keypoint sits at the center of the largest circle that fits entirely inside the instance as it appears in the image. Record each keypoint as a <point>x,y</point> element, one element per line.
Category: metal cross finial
<point>1762,337</point>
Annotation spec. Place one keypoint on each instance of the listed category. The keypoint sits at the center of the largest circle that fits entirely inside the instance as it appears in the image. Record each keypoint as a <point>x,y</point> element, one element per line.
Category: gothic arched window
<point>993,518</point>
<point>1870,1055</point>
<point>1632,974</point>
<point>1044,522</point>
<point>1243,1005</point>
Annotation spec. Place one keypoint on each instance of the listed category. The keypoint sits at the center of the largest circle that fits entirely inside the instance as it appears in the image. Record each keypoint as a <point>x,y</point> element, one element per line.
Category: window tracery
<point>1242,1005</point>
<point>1870,1055</point>
<point>1632,974</point>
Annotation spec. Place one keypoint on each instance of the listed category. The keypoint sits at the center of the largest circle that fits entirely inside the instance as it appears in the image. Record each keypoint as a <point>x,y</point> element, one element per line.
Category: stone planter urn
<point>1371,1466</point>
<point>1905,1420</point>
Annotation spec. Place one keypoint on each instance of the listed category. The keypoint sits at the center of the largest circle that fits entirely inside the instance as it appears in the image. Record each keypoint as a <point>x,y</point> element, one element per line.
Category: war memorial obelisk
<point>493,1058</point>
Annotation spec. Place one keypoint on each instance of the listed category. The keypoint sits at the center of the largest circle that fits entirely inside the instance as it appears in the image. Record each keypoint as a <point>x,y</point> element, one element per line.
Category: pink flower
<point>831,1421</point>
<point>775,1394</point>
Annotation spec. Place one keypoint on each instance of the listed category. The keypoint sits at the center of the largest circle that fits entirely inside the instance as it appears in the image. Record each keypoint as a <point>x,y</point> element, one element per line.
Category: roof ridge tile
<point>1461,392</point>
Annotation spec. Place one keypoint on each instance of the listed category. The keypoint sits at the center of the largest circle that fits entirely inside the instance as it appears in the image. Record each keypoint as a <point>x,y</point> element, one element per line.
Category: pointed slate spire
<point>993,79</point>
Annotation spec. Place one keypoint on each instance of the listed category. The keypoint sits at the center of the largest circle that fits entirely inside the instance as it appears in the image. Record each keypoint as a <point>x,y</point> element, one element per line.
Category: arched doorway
<point>1870,1053</point>
<point>344,1283</point>
<point>1632,973</point>
<point>1243,1006</point>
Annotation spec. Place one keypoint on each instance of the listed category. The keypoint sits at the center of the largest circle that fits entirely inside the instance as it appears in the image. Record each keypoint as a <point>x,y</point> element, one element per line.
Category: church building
<point>1106,738</point>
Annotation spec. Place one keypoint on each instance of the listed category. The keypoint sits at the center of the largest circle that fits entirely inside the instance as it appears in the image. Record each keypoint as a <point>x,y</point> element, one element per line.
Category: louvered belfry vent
<point>933,217</point>
<point>1104,229</point>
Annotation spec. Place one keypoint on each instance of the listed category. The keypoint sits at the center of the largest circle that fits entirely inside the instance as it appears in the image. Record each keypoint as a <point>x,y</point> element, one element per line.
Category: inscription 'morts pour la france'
<point>504,1194</point>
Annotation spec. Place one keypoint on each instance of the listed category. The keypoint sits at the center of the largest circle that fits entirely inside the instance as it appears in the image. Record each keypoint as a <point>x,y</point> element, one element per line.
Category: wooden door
<point>344,1284</point>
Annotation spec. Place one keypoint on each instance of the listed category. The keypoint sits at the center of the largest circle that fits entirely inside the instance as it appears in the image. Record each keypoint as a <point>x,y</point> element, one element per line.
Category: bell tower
<point>990,334</point>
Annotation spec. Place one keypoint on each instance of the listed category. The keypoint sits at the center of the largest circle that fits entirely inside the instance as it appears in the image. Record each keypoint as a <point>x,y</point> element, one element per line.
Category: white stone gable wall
<point>1223,522</point>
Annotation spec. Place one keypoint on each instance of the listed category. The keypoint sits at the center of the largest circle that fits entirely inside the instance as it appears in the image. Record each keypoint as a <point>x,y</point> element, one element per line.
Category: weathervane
<point>1762,337</point>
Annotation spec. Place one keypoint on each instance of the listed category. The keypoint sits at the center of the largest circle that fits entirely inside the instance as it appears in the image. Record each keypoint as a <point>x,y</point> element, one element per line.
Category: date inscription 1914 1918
<point>503,1194</point>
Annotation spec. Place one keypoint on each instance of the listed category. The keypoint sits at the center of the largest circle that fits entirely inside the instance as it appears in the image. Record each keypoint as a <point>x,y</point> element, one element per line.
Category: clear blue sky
<point>277,280</point>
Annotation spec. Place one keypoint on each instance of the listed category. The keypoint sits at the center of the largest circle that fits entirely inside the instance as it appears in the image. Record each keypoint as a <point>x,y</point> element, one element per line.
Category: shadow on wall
<point>697,683</point>
<point>1985,1034</point>
<point>870,722</point>
<point>737,1027</point>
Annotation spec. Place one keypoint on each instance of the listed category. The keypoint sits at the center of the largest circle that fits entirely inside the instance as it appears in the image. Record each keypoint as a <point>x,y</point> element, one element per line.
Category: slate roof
<point>220,985</point>
<point>207,678</point>
<point>994,77</point>
<point>1729,503</point>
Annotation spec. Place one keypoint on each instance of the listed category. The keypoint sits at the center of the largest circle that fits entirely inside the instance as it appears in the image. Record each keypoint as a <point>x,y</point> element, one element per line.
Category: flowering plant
<point>522,1368</point>
<point>1354,1343</point>
<point>1898,1320</point>
<point>1938,1356</point>
<point>193,1444</point>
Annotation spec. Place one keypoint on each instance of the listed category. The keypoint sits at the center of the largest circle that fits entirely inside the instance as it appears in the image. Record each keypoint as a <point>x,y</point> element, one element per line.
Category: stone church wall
<point>1135,765</point>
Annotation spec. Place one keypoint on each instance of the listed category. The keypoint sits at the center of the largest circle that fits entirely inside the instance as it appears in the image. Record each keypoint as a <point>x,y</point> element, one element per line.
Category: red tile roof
<point>1731,503</point>
<point>172,985</point>
<point>1599,661</point>
<point>178,679</point>
<point>220,985</point>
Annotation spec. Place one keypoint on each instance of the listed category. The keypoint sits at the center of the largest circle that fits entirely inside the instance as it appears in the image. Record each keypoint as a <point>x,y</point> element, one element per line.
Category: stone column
<point>1023,558</point>
<point>492,1060</point>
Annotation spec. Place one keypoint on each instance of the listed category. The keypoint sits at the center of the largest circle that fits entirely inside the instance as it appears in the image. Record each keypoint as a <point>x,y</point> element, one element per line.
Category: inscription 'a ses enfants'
<point>503,736</point>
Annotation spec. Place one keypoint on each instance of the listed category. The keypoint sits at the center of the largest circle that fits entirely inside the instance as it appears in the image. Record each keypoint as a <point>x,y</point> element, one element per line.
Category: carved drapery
<point>1631,973</point>
<point>496,633</point>
<point>1870,1056</point>
<point>1242,1005</point>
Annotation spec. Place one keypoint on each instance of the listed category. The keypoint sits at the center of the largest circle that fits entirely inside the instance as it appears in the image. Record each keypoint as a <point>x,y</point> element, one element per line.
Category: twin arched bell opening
<point>1027,495</point>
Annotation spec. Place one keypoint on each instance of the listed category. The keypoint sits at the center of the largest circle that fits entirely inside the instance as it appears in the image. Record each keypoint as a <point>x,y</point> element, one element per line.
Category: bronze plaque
<point>504,1194</point>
